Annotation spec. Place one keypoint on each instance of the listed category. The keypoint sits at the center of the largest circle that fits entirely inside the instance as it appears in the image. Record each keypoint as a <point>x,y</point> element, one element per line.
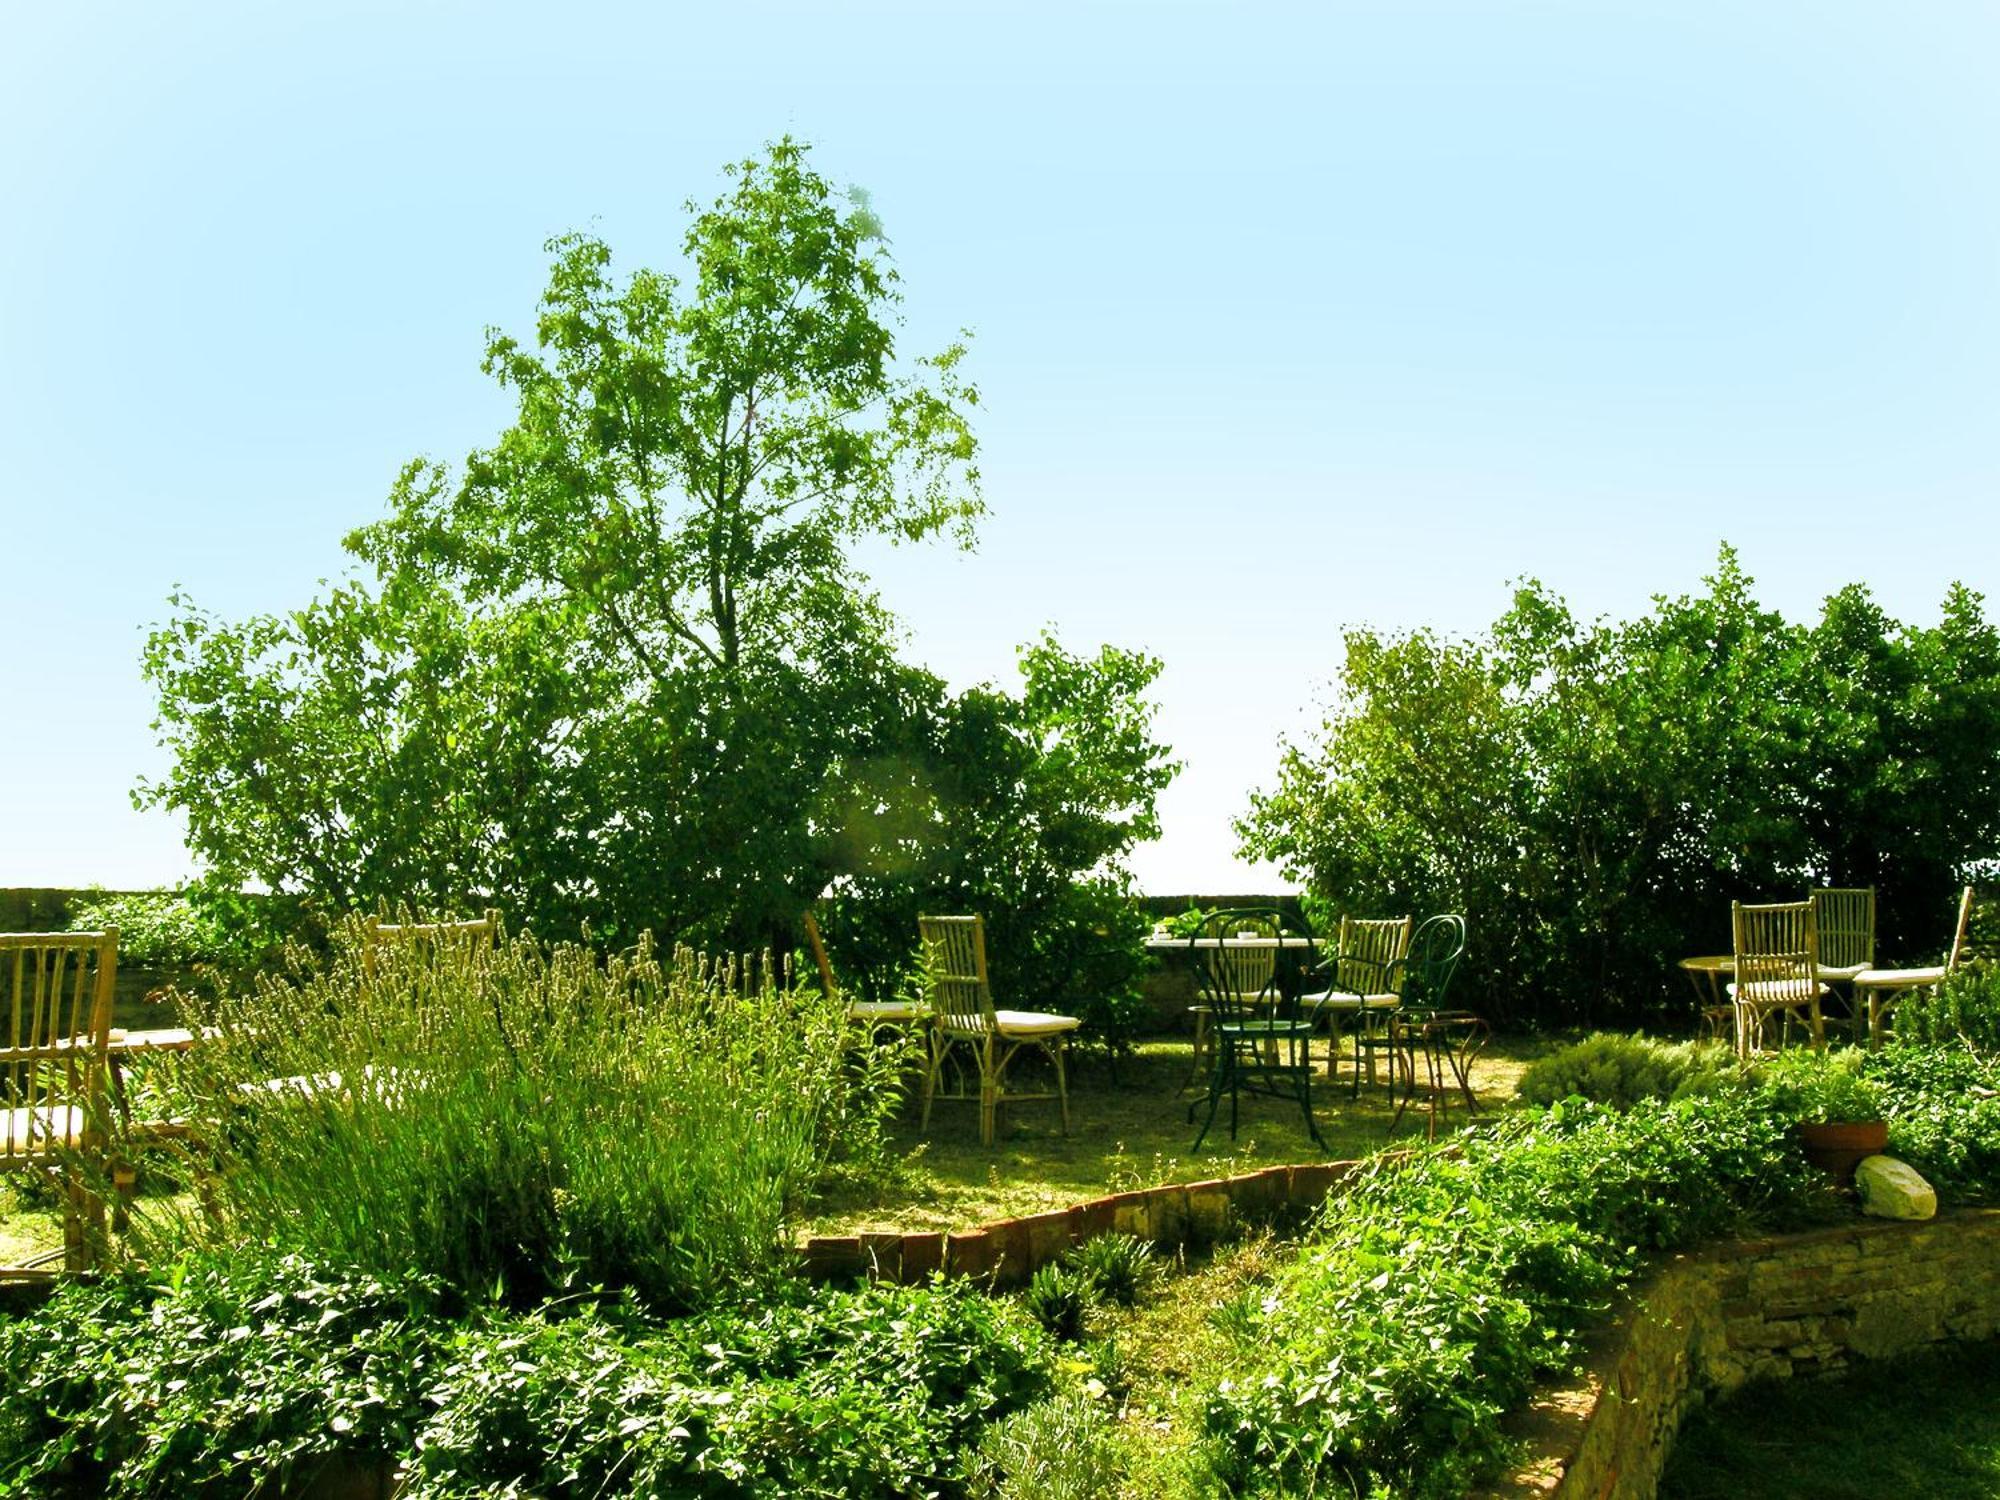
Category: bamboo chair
<point>58,990</point>
<point>1846,922</point>
<point>1365,986</point>
<point>1878,991</point>
<point>862,1012</point>
<point>1777,971</point>
<point>967,1022</point>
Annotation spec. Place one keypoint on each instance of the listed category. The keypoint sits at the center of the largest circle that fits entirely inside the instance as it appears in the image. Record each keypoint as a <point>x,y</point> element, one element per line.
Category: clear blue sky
<point>1286,318</point>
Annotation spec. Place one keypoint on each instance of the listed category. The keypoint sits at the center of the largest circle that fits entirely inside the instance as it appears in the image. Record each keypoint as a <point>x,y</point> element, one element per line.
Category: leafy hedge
<point>253,1367</point>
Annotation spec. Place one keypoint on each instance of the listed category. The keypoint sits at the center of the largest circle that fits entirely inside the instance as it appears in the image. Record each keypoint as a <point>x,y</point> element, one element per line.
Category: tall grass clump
<point>514,1120</point>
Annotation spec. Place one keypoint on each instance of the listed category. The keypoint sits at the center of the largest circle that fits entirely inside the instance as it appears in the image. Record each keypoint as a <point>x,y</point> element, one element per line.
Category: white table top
<point>1161,944</point>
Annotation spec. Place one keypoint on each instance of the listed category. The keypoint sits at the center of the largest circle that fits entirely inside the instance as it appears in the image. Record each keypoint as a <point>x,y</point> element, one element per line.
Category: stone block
<point>1098,1216</point>
<point>883,1255</point>
<point>1132,1213</point>
<point>969,1253</point>
<point>1169,1211</point>
<point>1210,1209</point>
<point>835,1257</point>
<point>923,1256</point>
<point>1048,1237</point>
<point>1891,1189</point>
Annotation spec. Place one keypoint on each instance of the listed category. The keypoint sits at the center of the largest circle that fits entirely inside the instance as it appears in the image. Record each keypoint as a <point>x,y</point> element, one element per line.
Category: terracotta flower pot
<point>1840,1148</point>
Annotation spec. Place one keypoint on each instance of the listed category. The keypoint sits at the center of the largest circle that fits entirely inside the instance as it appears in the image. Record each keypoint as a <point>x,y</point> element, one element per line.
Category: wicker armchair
<point>1878,991</point>
<point>973,1040</point>
<point>1777,971</point>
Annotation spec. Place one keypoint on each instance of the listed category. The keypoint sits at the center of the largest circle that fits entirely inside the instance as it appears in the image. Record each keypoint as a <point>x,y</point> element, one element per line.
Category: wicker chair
<point>970,1037</point>
<point>1777,971</point>
<point>56,990</point>
<point>1846,923</point>
<point>870,1013</point>
<point>478,932</point>
<point>1365,986</point>
<point>1878,991</point>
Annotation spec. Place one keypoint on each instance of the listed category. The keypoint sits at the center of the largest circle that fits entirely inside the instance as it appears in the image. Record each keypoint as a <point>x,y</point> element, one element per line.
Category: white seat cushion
<point>885,1010</point>
<point>1348,1000</point>
<point>1033,1023</point>
<point>1897,979</point>
<point>25,1132</point>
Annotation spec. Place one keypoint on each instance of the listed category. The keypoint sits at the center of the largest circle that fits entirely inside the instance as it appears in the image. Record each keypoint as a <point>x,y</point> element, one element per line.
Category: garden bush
<point>519,1117</point>
<point>249,1369</point>
<point>1943,1109</point>
<point>1433,1295</point>
<point>1619,1071</point>
<point>1964,1012</point>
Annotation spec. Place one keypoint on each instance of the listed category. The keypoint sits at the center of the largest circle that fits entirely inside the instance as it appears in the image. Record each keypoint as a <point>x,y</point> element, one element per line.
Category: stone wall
<point>1708,1322</point>
<point>1009,1251</point>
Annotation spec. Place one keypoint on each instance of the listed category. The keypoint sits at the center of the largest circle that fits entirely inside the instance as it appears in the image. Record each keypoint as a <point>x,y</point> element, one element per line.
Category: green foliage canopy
<point>622,670</point>
<point>1593,795</point>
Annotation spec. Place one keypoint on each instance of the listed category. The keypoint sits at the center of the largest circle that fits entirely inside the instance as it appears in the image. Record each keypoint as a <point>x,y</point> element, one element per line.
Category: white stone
<point>1891,1189</point>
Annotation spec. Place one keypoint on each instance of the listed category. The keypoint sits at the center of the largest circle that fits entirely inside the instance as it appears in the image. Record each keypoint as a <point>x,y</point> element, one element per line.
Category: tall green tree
<point>621,668</point>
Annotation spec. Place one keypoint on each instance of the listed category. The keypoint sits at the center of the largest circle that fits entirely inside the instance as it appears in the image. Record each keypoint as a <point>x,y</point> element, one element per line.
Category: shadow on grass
<point>1129,1133</point>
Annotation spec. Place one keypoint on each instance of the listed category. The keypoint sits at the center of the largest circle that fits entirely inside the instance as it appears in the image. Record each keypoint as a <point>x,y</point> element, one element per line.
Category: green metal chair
<point>1260,1037</point>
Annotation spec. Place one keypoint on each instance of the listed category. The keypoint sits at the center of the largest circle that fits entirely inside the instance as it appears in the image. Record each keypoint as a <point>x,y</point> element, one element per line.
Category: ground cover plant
<point>519,1117</point>
<point>1435,1293</point>
<point>245,1368</point>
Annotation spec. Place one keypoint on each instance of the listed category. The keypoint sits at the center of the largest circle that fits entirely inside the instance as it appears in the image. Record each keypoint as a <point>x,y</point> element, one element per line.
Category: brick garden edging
<point>1009,1251</point>
<point>1805,1304</point>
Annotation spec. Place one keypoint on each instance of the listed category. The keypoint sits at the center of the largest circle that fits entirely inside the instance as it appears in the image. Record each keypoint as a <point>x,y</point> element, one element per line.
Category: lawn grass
<point>1129,1133</point>
<point>1926,1425</point>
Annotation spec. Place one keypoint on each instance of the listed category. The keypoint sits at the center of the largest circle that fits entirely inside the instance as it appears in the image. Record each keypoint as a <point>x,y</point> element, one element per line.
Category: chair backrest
<point>1777,952</point>
<point>1845,920</point>
<point>1962,932</point>
<point>1241,982</point>
<point>56,994</point>
<point>825,965</point>
<point>477,932</point>
<point>1435,949</point>
<point>1371,955</point>
<point>955,969</point>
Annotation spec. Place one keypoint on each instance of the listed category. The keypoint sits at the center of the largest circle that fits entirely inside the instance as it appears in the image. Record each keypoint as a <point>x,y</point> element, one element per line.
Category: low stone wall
<point>1009,1251</point>
<point>1708,1322</point>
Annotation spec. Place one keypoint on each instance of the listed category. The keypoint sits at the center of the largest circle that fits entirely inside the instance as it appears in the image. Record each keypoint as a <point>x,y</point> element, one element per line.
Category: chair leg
<point>938,1047</point>
<point>1216,1082</point>
<point>1062,1083</point>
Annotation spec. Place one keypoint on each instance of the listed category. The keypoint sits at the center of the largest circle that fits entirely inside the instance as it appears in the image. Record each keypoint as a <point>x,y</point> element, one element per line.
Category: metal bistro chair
<point>1878,991</point>
<point>966,1021</point>
<point>1260,1040</point>
<point>58,990</point>
<point>1777,971</point>
<point>1435,1046</point>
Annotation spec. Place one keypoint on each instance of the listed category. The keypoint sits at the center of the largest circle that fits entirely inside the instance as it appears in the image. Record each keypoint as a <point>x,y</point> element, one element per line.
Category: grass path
<point>1928,1425</point>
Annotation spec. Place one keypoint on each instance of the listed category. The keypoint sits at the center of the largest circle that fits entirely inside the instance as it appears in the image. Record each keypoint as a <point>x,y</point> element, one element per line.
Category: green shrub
<point>1120,1266</point>
<point>1064,1448</point>
<point>1965,1011</point>
<point>1060,1299</point>
<point>251,1371</point>
<point>1432,1295</point>
<point>166,930</point>
<point>1616,1070</point>
<point>519,1118</point>
<point>242,1367</point>
<point>1821,1087</point>
<point>1943,1109</point>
